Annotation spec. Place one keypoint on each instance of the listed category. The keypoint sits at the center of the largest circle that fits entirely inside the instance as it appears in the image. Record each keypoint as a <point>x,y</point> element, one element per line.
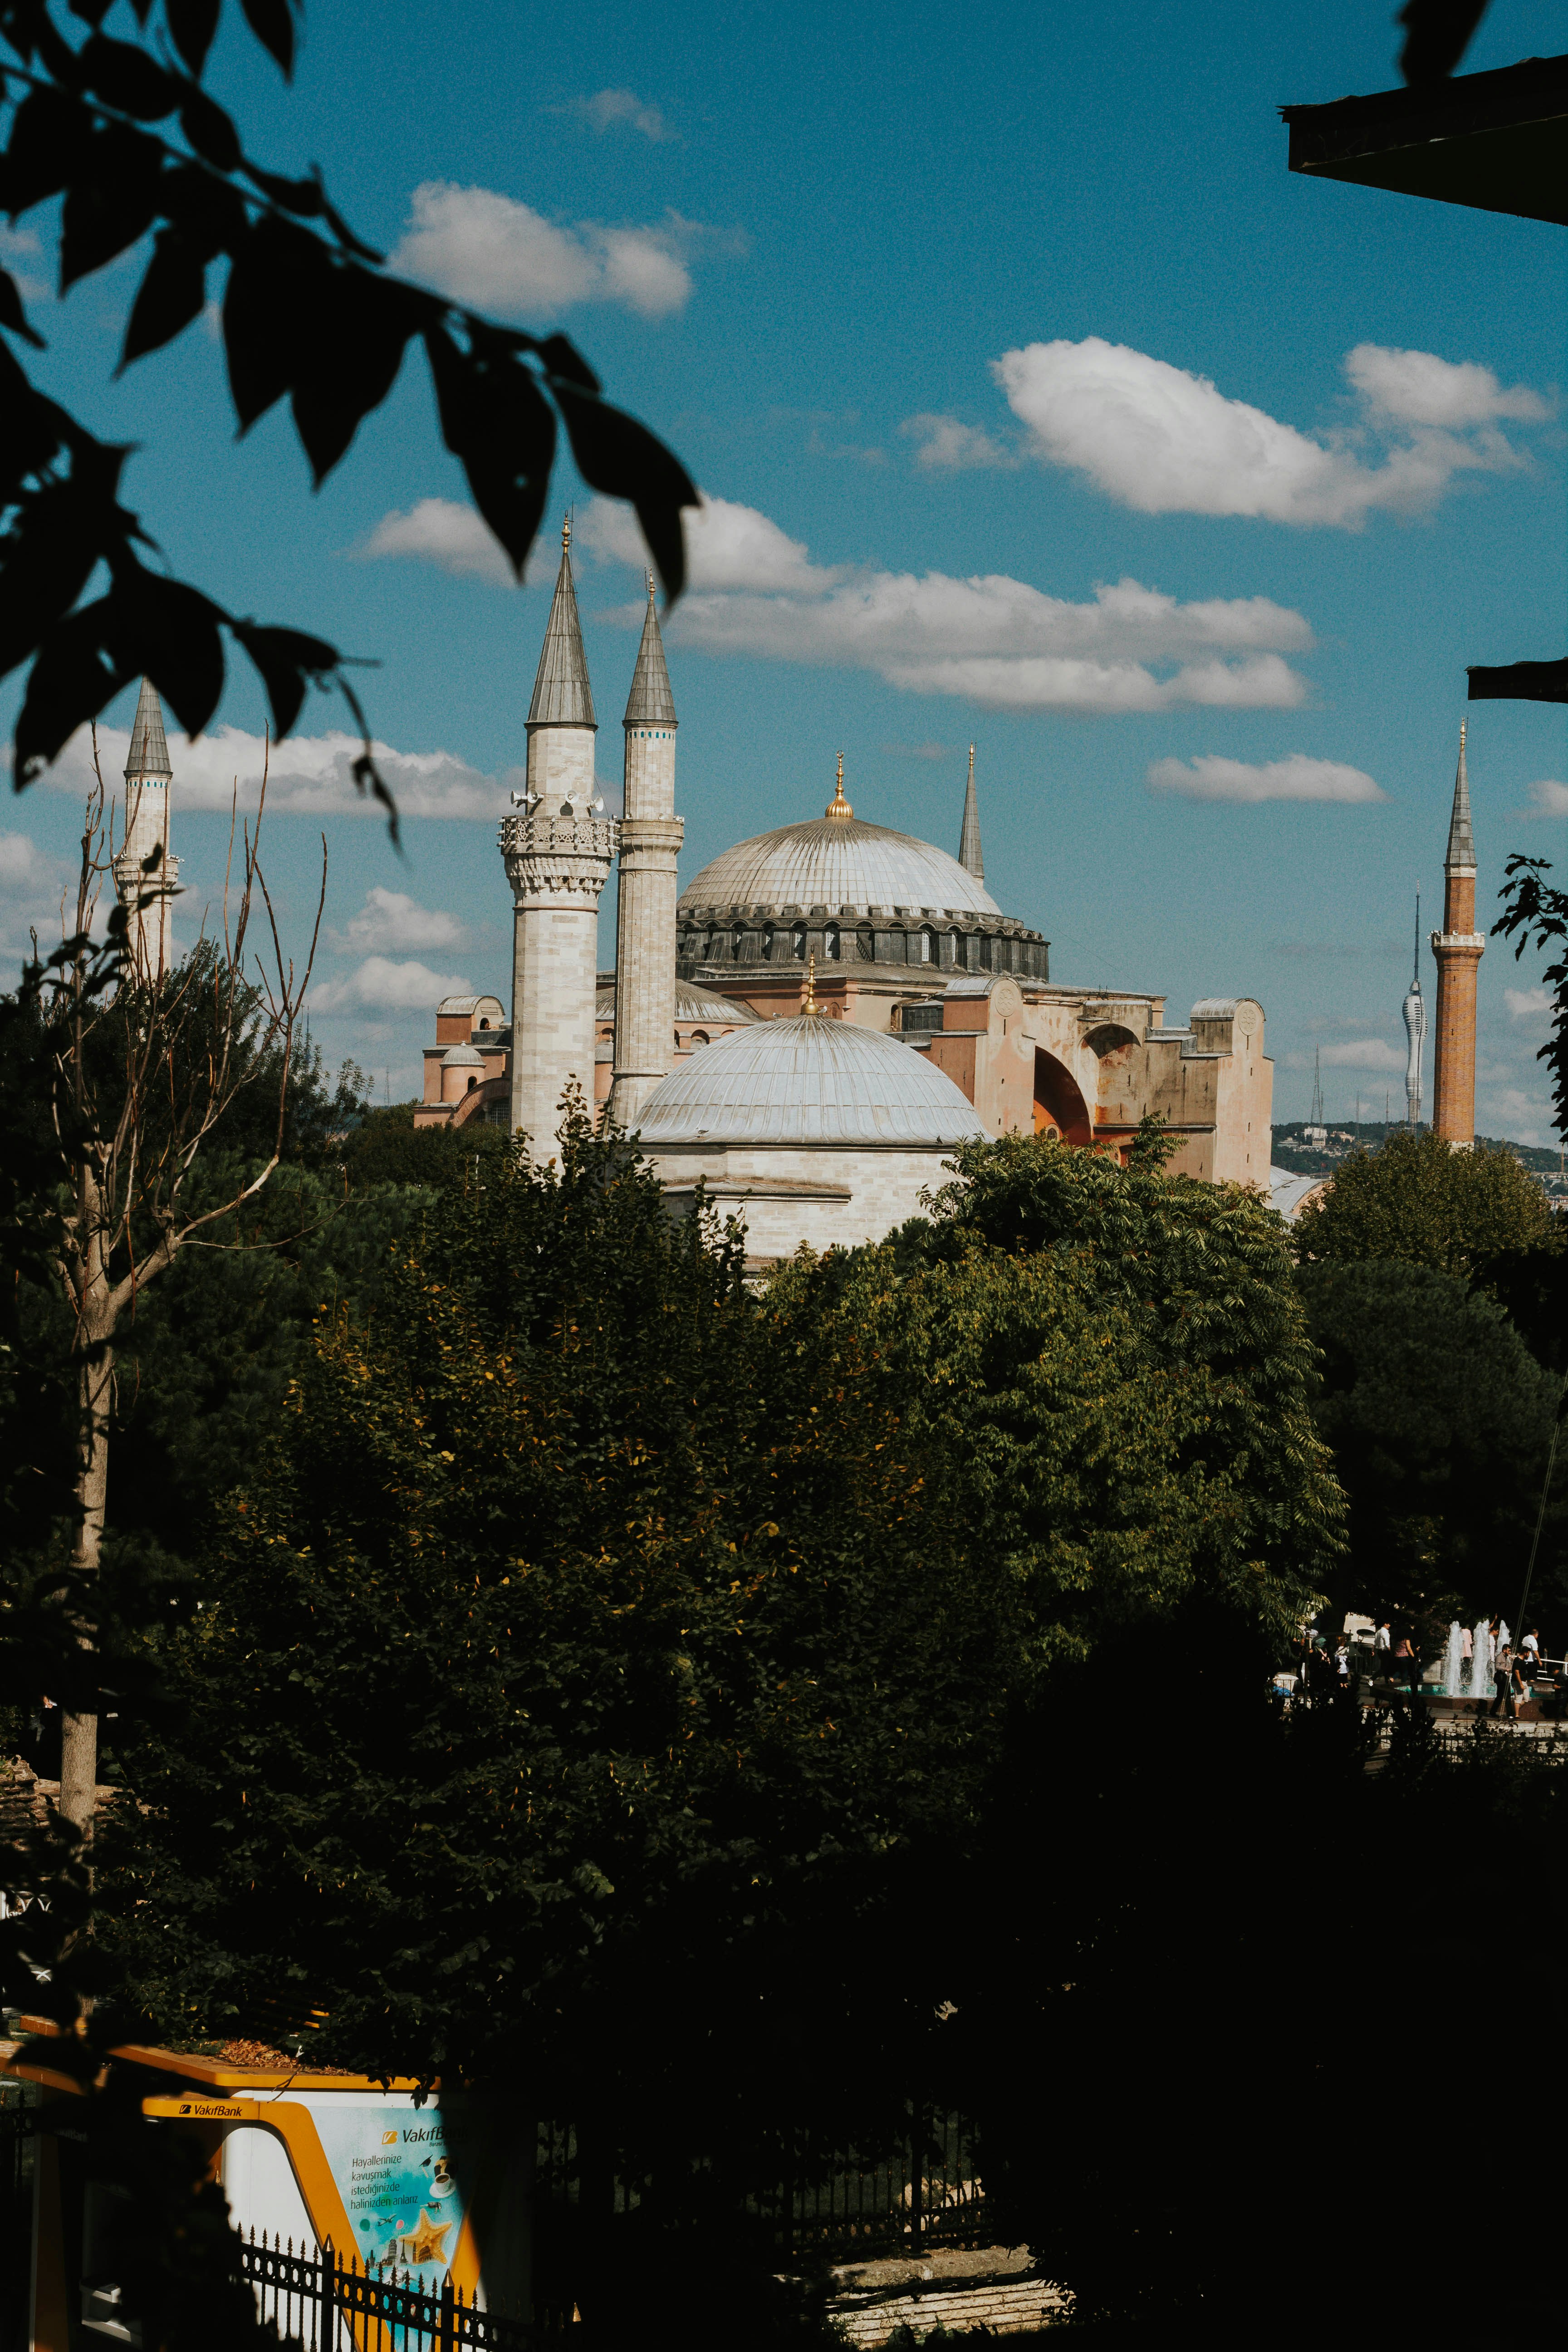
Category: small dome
<point>836,861</point>
<point>462,1057</point>
<point>808,1080</point>
<point>451,1005</point>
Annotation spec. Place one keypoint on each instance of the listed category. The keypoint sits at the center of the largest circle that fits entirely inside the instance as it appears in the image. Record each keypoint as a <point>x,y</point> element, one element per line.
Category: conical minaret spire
<point>650,702</point>
<point>1457,948</point>
<point>149,753</point>
<point>562,694</point>
<point>146,877</point>
<point>969,853</point>
<point>650,839</point>
<point>1461,856</point>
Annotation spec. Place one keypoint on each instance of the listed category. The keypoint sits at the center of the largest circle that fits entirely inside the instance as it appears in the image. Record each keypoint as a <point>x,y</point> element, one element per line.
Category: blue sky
<point>962,320</point>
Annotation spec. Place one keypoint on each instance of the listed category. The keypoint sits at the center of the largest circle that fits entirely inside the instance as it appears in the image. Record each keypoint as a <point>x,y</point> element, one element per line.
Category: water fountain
<point>1471,1680</point>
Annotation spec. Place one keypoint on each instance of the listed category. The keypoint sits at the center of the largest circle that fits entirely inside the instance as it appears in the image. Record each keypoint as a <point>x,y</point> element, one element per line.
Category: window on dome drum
<point>830,943</point>
<point>768,946</point>
<point>486,1021</point>
<point>797,942</point>
<point>928,948</point>
<point>736,936</point>
<point>865,943</point>
<point>699,1037</point>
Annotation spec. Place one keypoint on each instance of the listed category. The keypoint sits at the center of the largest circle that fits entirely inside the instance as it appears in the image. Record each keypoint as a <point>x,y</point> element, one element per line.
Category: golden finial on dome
<point>808,994</point>
<point>838,806</point>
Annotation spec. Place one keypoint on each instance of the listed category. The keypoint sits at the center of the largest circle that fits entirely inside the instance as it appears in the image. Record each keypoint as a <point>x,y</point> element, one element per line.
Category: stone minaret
<point>148,775</point>
<point>969,853</point>
<point>558,848</point>
<point>650,843</point>
<point>1457,948</point>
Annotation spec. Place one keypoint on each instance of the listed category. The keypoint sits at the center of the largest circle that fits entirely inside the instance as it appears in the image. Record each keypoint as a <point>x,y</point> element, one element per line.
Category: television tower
<point>1416,1030</point>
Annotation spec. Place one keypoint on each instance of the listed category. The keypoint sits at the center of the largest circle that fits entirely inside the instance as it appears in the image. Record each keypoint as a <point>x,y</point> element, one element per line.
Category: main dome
<point>838,862</point>
<point>807,1080</point>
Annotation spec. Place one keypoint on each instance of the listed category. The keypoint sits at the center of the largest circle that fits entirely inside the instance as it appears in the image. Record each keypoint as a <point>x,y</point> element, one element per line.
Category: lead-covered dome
<point>838,862</point>
<point>810,1080</point>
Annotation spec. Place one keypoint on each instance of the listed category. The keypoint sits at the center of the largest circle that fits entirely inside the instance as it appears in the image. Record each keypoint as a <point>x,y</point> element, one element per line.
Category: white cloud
<point>1354,1054</point>
<point>1549,799</point>
<point>309,775</point>
<point>22,865</point>
<point>443,531</point>
<point>608,108</point>
<point>1208,778</point>
<point>948,447</point>
<point>1522,1118</point>
<point>1527,1004</point>
<point>1164,441</point>
<point>380,985</point>
<point>1418,388</point>
<point>492,252</point>
<point>390,919</point>
<point>726,547</point>
<point>994,640</point>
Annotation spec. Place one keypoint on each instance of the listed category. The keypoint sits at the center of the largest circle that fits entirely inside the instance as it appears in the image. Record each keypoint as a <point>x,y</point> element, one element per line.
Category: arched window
<point>473,1081</point>
<point>736,936</point>
<point>928,948</point>
<point>768,944</point>
<point>866,941</point>
<point>486,1021</point>
<point>699,1037</point>
<point>797,942</point>
<point>830,943</point>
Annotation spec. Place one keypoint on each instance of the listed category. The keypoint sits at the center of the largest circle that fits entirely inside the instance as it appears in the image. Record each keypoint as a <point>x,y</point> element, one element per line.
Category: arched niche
<point>1060,1106</point>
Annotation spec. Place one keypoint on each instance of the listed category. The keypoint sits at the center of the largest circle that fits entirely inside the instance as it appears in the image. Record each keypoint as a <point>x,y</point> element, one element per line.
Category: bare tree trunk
<point>78,1733</point>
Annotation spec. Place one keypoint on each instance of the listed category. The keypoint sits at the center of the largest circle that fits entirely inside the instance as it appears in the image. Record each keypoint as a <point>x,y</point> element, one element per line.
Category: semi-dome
<point>810,1080</point>
<point>838,862</point>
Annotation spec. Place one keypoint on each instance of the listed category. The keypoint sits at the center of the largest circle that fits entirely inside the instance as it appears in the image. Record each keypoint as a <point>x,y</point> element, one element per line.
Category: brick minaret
<point>558,849</point>
<point>1457,948</point>
<point>650,838</point>
<point>146,877</point>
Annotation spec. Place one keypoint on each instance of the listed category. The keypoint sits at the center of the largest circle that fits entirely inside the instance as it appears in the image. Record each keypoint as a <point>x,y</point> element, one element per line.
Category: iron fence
<point>328,2304</point>
<point>926,2193</point>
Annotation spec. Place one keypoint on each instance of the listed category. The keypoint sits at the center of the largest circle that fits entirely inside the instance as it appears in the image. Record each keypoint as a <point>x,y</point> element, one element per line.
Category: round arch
<point>1060,1106</point>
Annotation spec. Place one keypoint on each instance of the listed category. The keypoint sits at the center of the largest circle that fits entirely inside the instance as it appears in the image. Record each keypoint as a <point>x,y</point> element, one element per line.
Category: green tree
<point>1417,1202</point>
<point>386,1148</point>
<point>1198,1278</point>
<point>1439,1418</point>
<point>581,1655</point>
<point>1535,914</point>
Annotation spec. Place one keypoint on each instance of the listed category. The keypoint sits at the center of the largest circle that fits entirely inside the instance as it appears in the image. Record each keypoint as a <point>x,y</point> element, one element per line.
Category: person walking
<point>1342,1684</point>
<point>1505,1679</point>
<point>1382,1643</point>
<point>1407,1665</point>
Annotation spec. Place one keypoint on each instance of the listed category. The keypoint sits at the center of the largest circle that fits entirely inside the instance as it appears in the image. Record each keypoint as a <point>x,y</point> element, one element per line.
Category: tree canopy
<point>1439,1418</point>
<point>1417,1202</point>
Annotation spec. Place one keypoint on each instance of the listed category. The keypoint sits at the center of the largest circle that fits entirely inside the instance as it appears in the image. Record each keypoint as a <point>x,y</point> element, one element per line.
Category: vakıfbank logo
<point>389,2139</point>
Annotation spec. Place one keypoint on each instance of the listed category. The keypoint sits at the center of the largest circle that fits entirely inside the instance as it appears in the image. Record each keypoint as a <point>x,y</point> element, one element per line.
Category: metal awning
<point>1495,140</point>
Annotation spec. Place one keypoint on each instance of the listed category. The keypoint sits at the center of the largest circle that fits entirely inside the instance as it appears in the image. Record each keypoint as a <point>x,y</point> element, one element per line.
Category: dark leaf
<point>90,12</point>
<point>563,360</point>
<point>495,419</point>
<point>111,203</point>
<point>351,356</point>
<point>192,24</point>
<point>170,296</point>
<point>288,661</point>
<point>339,227</point>
<point>210,131</point>
<point>366,775</point>
<point>126,77</point>
<point>12,315</point>
<point>274,280</point>
<point>621,459</point>
<point>50,136</point>
<point>272,22</point>
<point>211,213</point>
<point>58,534</point>
<point>171,633</point>
<point>68,684</point>
<point>302,196</point>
